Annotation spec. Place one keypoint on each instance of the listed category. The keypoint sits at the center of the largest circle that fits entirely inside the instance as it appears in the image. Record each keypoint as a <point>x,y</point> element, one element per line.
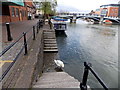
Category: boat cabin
<point>60,26</point>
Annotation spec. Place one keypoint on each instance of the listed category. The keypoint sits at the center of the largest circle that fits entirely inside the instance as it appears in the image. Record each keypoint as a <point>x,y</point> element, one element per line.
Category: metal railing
<point>83,84</point>
<point>24,47</point>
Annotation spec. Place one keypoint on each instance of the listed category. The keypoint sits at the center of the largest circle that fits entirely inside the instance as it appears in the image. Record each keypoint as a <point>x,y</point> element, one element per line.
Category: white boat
<point>59,25</point>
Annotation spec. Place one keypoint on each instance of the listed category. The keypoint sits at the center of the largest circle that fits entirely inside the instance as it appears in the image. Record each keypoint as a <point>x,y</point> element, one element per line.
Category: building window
<point>104,12</point>
<point>111,14</point>
<point>116,10</point>
<point>112,10</point>
<point>17,12</point>
<point>13,12</point>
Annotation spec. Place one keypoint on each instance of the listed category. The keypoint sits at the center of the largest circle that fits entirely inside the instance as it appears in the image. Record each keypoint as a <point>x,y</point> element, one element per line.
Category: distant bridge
<point>96,18</point>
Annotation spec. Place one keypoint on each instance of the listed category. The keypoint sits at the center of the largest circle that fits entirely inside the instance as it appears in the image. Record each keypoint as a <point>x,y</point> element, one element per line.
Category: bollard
<point>33,32</point>
<point>8,32</point>
<point>25,43</point>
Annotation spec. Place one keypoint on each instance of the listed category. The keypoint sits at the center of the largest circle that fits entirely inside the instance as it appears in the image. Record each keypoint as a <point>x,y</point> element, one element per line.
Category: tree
<point>48,7</point>
<point>54,5</point>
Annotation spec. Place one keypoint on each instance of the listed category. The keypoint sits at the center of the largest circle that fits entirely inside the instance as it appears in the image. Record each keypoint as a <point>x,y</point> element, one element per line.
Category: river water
<point>96,44</point>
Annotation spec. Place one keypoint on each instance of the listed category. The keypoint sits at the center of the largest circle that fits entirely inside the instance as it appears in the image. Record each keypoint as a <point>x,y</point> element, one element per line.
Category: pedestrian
<point>50,23</point>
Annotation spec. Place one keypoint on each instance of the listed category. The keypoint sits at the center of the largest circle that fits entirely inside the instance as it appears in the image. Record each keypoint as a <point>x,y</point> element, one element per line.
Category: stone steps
<point>50,44</point>
<point>48,39</point>
<point>56,80</point>
<point>51,50</point>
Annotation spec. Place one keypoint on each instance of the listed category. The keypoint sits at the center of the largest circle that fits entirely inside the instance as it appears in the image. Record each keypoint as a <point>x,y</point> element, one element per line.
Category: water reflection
<point>61,34</point>
<point>97,44</point>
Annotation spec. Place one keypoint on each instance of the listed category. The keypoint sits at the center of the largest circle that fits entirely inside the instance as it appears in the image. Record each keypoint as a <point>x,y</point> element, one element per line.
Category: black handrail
<point>83,84</point>
<point>9,67</point>
<point>10,46</point>
<point>24,47</point>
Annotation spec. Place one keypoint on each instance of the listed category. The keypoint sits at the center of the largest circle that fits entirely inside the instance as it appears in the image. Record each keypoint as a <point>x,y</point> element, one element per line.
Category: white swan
<point>59,63</point>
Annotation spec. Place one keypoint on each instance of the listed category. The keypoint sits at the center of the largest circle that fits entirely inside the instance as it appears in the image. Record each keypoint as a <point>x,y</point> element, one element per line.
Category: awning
<point>13,2</point>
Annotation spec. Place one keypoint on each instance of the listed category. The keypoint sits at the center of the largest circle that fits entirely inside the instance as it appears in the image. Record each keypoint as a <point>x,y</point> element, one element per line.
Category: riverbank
<point>51,77</point>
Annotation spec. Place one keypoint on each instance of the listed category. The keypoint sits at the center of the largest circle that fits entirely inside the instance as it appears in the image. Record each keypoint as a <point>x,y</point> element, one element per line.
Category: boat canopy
<point>60,19</point>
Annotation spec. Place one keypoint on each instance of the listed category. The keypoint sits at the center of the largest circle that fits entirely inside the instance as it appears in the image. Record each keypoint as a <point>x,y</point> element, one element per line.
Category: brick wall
<point>5,19</point>
<point>7,14</point>
<point>97,12</point>
<point>111,11</point>
<point>22,14</point>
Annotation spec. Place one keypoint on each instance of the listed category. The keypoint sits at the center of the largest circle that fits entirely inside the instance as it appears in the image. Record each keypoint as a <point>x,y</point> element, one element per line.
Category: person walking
<point>50,23</point>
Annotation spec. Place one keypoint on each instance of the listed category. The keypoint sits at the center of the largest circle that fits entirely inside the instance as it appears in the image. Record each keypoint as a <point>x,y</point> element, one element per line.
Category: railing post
<point>33,32</point>
<point>37,27</point>
<point>83,85</point>
<point>25,43</point>
<point>8,32</point>
<point>39,24</point>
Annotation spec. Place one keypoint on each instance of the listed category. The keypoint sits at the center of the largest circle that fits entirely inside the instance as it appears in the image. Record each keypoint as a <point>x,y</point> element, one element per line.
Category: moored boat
<point>59,26</point>
<point>107,22</point>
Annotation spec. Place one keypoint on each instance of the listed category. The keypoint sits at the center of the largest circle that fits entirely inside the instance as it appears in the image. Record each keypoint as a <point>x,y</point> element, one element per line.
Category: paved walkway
<point>17,28</point>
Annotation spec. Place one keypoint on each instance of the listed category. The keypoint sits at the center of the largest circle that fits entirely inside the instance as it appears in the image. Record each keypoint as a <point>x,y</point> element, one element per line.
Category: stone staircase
<point>50,44</point>
<point>57,80</point>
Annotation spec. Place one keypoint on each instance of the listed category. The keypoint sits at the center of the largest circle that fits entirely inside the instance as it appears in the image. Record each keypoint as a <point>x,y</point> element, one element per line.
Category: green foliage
<point>48,7</point>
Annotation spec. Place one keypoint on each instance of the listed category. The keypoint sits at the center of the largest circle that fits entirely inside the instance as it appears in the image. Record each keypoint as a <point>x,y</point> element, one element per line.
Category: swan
<point>59,64</point>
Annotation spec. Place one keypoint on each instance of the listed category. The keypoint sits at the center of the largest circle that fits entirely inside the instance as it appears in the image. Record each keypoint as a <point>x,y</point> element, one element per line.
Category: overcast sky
<point>83,5</point>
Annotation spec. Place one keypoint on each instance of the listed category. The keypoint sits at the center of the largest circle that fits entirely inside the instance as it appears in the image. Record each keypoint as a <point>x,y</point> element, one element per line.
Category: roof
<point>110,5</point>
<point>13,2</point>
<point>29,3</point>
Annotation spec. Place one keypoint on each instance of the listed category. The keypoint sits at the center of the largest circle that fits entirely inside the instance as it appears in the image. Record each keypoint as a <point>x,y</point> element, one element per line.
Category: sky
<point>82,5</point>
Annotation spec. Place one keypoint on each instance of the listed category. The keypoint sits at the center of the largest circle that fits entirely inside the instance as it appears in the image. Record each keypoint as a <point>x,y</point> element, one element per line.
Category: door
<point>20,15</point>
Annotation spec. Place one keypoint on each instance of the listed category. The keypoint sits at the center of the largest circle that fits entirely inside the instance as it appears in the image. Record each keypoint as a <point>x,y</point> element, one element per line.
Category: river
<point>93,43</point>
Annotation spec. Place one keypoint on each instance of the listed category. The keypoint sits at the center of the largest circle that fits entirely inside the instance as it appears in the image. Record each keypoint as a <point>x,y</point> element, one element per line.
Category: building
<point>110,10</point>
<point>39,12</point>
<point>119,10</point>
<point>13,11</point>
<point>97,12</point>
<point>31,10</point>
